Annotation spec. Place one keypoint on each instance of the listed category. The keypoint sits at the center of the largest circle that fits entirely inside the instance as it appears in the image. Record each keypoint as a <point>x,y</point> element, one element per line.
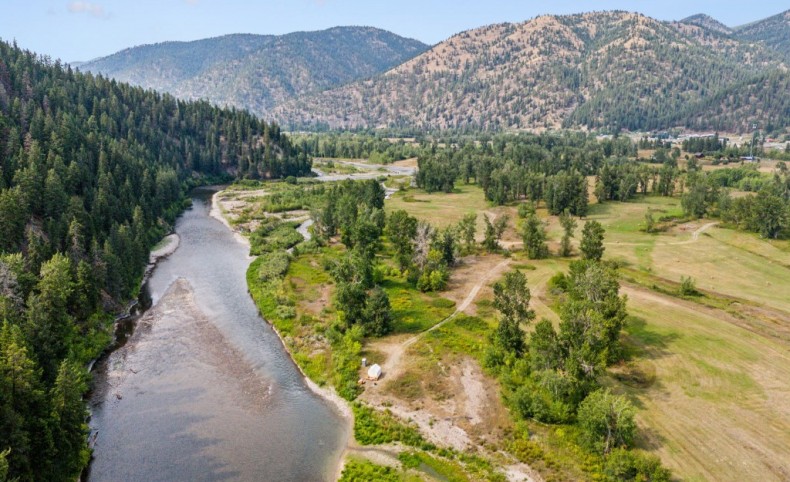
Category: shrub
<point>558,283</point>
<point>365,471</point>
<point>433,280</point>
<point>606,421</point>
<point>273,266</point>
<point>346,355</point>
<point>687,286</point>
<point>372,427</point>
<point>625,465</point>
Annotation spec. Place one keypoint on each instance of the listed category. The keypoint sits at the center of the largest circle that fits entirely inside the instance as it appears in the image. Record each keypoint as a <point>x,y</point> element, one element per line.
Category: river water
<point>203,389</point>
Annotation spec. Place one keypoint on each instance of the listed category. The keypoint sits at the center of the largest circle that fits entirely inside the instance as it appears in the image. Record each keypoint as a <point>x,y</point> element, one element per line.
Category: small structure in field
<point>374,372</point>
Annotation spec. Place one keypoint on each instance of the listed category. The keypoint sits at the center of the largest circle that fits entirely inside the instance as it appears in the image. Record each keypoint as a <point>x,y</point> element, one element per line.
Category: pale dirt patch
<point>317,306</point>
<point>521,473</point>
<point>217,212</point>
<point>474,390</point>
<point>468,274</point>
<point>412,162</point>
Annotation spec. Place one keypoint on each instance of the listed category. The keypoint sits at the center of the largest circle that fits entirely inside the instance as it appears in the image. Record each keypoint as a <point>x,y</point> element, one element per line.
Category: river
<point>203,389</point>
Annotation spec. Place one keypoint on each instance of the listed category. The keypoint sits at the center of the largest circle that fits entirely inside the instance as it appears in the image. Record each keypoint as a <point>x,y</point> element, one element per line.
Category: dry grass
<point>442,210</point>
<point>720,405</point>
<point>712,387</point>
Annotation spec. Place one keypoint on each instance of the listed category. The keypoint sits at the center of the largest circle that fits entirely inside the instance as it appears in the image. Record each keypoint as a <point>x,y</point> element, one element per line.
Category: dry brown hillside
<point>602,69</point>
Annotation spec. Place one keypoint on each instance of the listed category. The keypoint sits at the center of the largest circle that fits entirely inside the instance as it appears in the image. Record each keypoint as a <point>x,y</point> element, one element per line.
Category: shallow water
<point>204,390</point>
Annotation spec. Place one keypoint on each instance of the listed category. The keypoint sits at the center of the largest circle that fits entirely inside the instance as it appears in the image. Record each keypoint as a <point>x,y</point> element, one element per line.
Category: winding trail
<point>694,238</point>
<point>391,366</point>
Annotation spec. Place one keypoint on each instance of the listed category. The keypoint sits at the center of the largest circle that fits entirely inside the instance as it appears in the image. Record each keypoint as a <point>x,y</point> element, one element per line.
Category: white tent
<point>374,372</point>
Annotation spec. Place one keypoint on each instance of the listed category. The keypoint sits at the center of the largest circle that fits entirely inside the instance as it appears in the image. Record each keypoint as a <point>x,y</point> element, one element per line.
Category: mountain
<point>773,32</point>
<point>257,72</point>
<point>594,70</point>
<point>707,22</point>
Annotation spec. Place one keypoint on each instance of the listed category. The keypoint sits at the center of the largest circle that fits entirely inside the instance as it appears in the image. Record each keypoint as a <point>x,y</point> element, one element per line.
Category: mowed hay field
<point>717,404</point>
<point>713,385</point>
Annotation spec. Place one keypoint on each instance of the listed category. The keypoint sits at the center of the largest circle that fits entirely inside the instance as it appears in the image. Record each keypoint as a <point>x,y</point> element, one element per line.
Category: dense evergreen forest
<point>92,173</point>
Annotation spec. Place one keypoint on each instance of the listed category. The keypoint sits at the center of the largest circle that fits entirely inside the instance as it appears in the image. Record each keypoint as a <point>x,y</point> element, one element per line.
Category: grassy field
<point>717,404</point>
<point>713,384</point>
<point>438,208</point>
<point>711,377</point>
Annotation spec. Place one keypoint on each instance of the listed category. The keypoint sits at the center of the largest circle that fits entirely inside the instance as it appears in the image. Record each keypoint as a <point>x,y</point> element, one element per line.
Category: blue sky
<point>85,29</point>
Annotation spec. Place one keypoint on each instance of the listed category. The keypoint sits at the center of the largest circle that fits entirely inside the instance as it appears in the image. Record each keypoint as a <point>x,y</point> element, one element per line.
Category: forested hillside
<point>773,32</point>
<point>257,72</point>
<point>611,70</point>
<point>707,22</point>
<point>92,174</point>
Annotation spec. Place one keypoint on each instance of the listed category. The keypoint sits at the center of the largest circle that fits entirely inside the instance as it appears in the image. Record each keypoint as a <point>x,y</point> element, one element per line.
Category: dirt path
<point>694,238</point>
<point>392,366</point>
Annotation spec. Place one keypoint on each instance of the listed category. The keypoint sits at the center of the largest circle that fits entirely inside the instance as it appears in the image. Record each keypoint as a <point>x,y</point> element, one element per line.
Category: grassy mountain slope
<point>257,72</point>
<point>603,69</point>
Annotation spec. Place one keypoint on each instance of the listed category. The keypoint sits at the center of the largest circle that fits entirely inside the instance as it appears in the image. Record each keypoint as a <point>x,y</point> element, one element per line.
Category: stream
<point>202,388</point>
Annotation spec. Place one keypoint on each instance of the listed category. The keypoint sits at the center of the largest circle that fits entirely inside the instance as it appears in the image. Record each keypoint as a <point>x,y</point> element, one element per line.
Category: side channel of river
<point>203,389</point>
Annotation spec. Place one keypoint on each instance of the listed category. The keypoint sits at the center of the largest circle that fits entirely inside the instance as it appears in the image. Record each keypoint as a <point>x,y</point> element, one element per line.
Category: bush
<point>433,280</point>
<point>346,356</point>
<point>532,402</point>
<point>365,471</point>
<point>272,237</point>
<point>372,427</point>
<point>273,266</point>
<point>625,465</point>
<point>558,283</point>
<point>525,210</point>
<point>687,286</point>
<point>285,312</point>
<point>606,421</point>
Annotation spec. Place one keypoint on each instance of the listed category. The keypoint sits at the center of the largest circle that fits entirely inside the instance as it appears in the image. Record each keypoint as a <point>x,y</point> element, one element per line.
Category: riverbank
<point>446,428</point>
<point>218,213</point>
<point>327,393</point>
<point>201,389</point>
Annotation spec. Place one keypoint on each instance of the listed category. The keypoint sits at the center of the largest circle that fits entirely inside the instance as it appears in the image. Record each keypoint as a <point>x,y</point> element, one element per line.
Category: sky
<point>78,30</point>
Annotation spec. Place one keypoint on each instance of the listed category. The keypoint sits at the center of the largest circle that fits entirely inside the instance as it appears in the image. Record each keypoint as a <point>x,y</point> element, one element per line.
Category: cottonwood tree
<point>592,241</point>
<point>401,230</point>
<point>534,236</point>
<point>568,226</point>
<point>467,229</point>
<point>377,314</point>
<point>511,298</point>
<point>493,232</point>
<point>422,244</point>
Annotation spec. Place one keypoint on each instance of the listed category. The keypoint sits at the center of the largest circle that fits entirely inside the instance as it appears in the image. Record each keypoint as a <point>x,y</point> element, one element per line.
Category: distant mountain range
<point>602,70</point>
<point>257,72</point>
<point>609,70</point>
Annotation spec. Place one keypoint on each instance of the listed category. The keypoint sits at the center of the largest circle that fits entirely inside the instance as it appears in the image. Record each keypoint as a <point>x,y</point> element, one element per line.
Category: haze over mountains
<point>257,72</point>
<point>610,70</point>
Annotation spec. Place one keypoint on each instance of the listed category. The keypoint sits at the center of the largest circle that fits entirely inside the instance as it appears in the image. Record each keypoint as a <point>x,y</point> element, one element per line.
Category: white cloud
<point>89,8</point>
